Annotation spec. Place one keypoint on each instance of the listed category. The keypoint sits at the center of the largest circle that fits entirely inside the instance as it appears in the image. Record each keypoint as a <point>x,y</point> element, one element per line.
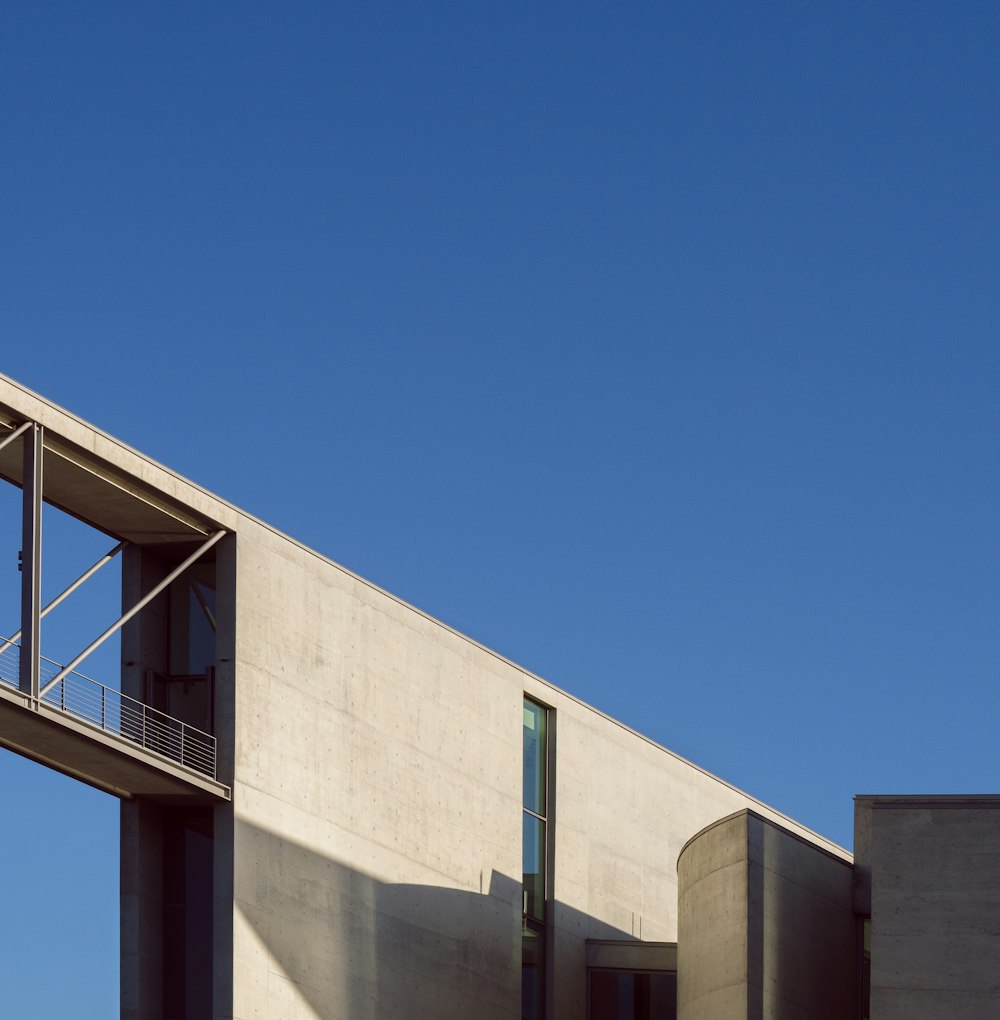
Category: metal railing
<point>117,713</point>
<point>10,664</point>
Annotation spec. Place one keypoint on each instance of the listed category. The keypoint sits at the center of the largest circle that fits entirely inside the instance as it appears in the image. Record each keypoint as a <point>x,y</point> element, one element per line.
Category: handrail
<point>119,714</point>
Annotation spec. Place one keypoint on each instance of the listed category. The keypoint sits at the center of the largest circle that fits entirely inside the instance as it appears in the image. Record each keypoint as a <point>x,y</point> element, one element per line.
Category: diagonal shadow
<point>334,942</point>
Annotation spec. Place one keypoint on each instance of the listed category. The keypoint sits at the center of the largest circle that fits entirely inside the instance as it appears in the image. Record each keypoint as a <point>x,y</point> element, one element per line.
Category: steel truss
<point>32,665</point>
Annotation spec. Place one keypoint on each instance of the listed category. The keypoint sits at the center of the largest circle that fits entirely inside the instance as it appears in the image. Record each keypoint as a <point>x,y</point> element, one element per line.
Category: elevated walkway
<point>105,738</point>
<point>54,714</point>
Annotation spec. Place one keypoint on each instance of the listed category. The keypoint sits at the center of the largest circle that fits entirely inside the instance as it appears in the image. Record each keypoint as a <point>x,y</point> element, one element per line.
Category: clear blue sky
<point>653,345</point>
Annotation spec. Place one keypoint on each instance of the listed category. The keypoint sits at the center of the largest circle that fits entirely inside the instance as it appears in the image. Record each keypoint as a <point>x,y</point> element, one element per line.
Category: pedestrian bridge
<point>109,740</point>
<point>157,740</point>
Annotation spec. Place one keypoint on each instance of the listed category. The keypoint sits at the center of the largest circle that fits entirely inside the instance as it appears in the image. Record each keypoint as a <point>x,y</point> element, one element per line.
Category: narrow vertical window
<point>533,853</point>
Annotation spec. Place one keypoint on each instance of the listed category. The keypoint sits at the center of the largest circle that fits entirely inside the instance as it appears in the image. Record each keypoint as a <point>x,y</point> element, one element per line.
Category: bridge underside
<point>100,495</point>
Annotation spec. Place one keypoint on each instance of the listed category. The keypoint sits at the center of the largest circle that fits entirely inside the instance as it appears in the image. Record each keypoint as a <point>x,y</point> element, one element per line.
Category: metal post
<point>29,677</point>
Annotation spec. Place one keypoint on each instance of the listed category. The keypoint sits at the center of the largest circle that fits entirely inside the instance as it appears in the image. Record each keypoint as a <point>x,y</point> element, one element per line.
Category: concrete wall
<point>378,809</point>
<point>766,927</point>
<point>377,803</point>
<point>712,962</point>
<point>624,808</point>
<point>934,864</point>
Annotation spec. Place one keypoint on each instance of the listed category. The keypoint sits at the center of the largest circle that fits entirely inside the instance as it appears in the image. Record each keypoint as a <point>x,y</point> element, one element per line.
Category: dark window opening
<point>187,913</point>
<point>632,995</point>
<point>180,680</point>
<point>532,970</point>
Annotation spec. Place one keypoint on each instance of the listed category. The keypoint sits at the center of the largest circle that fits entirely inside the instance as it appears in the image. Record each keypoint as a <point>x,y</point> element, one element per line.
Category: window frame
<point>540,925</point>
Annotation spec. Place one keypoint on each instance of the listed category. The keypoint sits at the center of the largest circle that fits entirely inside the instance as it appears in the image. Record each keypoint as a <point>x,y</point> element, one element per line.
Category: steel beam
<point>66,592</point>
<point>20,430</point>
<point>140,605</point>
<point>31,561</point>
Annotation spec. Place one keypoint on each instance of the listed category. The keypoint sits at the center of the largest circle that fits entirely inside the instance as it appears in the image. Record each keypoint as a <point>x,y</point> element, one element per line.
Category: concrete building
<point>335,806</point>
<point>927,878</point>
<point>772,925</point>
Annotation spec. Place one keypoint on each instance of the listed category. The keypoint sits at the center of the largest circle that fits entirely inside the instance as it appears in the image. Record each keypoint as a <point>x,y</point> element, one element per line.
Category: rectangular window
<point>534,855</point>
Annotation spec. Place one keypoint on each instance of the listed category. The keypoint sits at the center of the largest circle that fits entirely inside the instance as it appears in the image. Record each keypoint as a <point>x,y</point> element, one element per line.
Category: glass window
<point>533,854</point>
<point>534,758</point>
<point>533,857</point>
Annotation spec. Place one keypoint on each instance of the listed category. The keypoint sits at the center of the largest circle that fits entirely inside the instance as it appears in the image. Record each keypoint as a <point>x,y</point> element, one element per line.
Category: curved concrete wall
<point>765,926</point>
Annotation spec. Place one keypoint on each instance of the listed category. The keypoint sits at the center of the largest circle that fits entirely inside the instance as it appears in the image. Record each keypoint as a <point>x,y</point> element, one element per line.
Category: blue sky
<point>654,346</point>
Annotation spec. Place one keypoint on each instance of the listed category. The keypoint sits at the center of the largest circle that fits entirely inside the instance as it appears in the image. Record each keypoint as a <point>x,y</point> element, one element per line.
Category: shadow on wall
<point>329,941</point>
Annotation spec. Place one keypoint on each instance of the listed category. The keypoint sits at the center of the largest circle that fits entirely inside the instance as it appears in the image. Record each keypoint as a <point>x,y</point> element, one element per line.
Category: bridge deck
<point>106,739</point>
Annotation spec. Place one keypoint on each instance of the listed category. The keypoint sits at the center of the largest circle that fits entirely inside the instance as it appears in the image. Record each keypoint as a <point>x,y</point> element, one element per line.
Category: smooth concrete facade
<point>929,875</point>
<point>377,794</point>
<point>368,863</point>
<point>766,927</point>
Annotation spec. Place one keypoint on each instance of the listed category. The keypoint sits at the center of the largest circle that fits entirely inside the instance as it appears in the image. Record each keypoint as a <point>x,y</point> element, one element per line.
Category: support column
<point>31,562</point>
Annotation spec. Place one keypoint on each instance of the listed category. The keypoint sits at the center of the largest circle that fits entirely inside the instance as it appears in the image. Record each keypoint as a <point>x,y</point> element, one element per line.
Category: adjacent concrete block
<point>766,930</point>
<point>934,866</point>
